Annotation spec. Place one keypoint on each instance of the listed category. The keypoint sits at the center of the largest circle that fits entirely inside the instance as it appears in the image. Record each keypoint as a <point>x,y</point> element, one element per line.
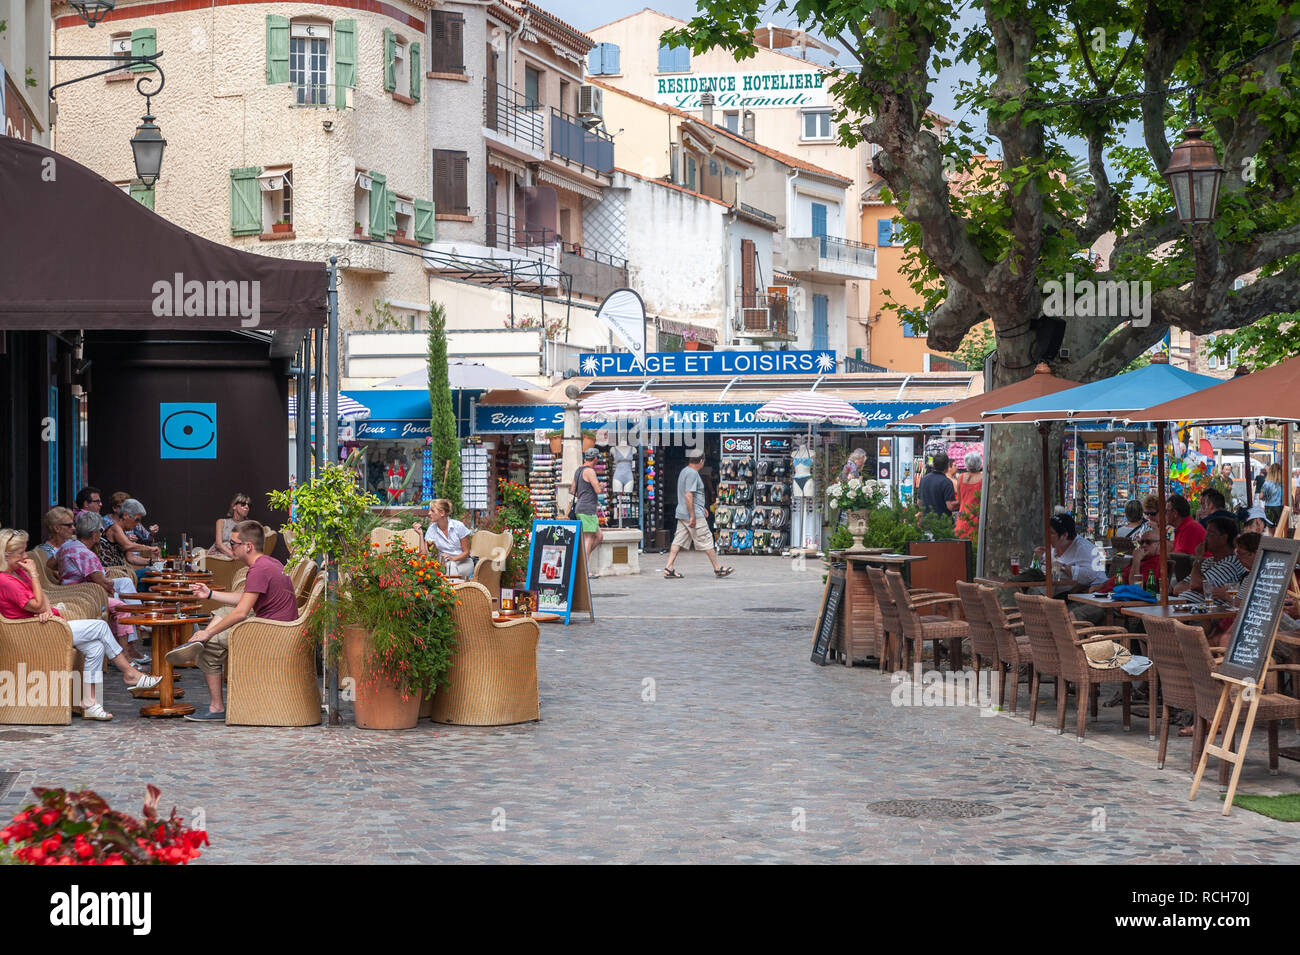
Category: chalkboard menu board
<point>828,620</point>
<point>557,568</point>
<point>1261,609</point>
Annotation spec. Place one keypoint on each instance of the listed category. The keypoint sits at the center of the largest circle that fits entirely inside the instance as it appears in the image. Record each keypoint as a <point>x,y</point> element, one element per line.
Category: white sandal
<point>145,682</point>
<point>96,712</point>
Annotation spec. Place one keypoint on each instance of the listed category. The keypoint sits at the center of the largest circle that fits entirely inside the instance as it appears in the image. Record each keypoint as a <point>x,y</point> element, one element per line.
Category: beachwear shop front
<point>766,478</point>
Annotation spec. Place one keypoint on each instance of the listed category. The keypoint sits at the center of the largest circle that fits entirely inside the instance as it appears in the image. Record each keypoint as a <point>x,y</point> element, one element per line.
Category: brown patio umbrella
<point>967,412</point>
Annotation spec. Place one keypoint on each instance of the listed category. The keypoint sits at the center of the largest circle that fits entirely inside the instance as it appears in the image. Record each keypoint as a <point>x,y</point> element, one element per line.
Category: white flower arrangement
<point>856,494</point>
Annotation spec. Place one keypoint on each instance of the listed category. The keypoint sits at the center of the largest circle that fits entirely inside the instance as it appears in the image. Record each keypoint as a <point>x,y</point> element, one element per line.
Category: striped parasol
<point>620,405</point>
<point>348,408</point>
<point>808,407</point>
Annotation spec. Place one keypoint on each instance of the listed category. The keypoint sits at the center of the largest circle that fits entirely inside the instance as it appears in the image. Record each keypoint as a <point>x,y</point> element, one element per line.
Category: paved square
<point>739,750</point>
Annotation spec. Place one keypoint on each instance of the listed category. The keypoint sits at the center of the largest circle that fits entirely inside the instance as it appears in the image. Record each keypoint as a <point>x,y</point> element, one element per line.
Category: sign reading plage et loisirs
<point>752,90</point>
<point>611,364</point>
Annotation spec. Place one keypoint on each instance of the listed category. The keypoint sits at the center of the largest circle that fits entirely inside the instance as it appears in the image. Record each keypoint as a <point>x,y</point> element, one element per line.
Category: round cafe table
<point>156,598</point>
<point>171,626</point>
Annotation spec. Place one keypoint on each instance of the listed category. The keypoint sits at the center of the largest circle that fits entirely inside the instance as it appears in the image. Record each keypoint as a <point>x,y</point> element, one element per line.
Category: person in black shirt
<point>1213,505</point>
<point>936,491</point>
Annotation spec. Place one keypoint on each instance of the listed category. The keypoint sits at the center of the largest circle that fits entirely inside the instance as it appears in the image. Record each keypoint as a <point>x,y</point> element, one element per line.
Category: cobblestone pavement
<point>743,740</point>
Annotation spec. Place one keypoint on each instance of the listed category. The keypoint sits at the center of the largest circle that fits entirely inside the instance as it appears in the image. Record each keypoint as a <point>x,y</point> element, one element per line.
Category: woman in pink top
<point>969,486</point>
<point>21,598</point>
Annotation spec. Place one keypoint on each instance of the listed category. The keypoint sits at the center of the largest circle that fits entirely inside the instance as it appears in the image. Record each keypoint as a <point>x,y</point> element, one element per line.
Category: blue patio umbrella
<point>1110,398</point>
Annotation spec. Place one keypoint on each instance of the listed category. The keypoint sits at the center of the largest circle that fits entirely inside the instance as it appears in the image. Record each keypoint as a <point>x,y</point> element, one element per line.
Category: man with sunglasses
<point>268,593</point>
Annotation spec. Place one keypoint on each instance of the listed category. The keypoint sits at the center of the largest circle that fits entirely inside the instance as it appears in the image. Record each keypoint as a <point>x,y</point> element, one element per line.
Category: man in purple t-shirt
<point>268,593</point>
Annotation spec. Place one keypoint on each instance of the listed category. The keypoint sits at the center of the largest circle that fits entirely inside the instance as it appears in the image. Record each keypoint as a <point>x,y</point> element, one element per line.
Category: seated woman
<point>1078,565</point>
<point>1135,519</point>
<point>116,549</point>
<point>56,527</point>
<point>140,534</point>
<point>80,565</point>
<point>221,535</point>
<point>449,537</point>
<point>22,598</point>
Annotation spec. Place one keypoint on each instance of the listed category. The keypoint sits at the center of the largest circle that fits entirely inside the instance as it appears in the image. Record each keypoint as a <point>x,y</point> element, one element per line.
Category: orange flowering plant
<point>402,598</point>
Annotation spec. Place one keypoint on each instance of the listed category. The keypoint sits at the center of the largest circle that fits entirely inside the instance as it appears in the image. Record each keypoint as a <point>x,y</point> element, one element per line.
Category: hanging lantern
<point>1194,175</point>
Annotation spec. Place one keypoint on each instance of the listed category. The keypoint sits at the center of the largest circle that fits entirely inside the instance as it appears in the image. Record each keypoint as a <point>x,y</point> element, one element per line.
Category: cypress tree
<point>442,426</point>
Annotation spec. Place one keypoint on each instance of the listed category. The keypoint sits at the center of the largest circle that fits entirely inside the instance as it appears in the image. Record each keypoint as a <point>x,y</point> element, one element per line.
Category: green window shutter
<point>142,195</point>
<point>390,225</point>
<point>245,201</point>
<point>277,49</point>
<point>390,60</point>
<point>424,228</point>
<point>378,205</point>
<point>345,60</point>
<point>144,42</point>
<point>417,74</point>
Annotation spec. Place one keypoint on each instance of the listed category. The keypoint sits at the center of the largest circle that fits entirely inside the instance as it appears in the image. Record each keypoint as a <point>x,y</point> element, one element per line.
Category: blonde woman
<point>1270,494</point>
<point>221,535</point>
<point>21,598</point>
<point>57,527</point>
<point>449,537</point>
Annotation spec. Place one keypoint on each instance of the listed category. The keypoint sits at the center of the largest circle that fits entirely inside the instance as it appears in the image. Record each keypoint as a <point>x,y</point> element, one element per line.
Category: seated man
<point>1221,567</point>
<point>79,564</point>
<point>1212,505</point>
<point>1188,532</point>
<point>1145,561</point>
<point>268,593</point>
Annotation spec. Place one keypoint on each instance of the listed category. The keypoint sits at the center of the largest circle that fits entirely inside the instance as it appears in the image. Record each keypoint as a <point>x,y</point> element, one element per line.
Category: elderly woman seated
<point>56,529</point>
<point>22,598</point>
<point>116,548</point>
<point>79,564</point>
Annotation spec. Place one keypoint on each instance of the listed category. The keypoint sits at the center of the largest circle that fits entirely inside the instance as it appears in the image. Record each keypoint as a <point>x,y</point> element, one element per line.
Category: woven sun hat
<point>1106,655</point>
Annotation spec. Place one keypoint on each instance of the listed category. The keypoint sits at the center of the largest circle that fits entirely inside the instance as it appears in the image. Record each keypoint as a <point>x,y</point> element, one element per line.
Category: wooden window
<point>245,201</point>
<point>451,181</point>
<point>345,60</point>
<point>144,42</point>
<point>447,49</point>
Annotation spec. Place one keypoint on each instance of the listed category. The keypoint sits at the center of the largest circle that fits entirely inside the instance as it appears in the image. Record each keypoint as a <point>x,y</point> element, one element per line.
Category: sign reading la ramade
<point>756,90</point>
<point>606,364</point>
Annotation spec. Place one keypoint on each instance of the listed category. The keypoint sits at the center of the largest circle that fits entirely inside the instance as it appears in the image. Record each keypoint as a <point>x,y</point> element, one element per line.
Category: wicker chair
<point>271,672</point>
<point>303,574</point>
<point>268,539</point>
<point>889,630</point>
<point>982,643</point>
<point>223,570</point>
<point>1011,642</point>
<point>1047,662</point>
<point>237,582</point>
<point>385,536</point>
<point>1175,680</point>
<point>916,630</point>
<point>493,669</point>
<point>83,601</point>
<point>1070,639</point>
<point>1200,664</point>
<point>38,647</point>
<point>491,550</point>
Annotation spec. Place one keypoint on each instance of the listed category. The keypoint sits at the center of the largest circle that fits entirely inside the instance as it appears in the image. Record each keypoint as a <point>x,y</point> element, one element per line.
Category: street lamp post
<point>1194,175</point>
<point>92,11</point>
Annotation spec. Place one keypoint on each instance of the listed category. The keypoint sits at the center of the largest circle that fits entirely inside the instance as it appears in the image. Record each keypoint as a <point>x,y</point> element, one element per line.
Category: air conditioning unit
<point>589,101</point>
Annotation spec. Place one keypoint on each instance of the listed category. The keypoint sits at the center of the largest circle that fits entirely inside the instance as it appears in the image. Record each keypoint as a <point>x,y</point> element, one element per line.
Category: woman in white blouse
<point>449,537</point>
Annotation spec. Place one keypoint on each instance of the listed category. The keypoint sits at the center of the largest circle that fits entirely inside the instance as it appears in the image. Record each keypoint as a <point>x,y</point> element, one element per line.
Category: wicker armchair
<point>1273,707</point>
<point>1047,661</point>
<point>1070,639</point>
<point>271,672</point>
<point>493,669</point>
<point>982,643</point>
<point>385,536</point>
<point>303,575</point>
<point>889,630</point>
<point>1175,681</point>
<point>916,630</point>
<point>82,601</point>
<point>38,647</point>
<point>223,570</point>
<point>491,551</point>
<point>268,539</point>
<point>1012,645</point>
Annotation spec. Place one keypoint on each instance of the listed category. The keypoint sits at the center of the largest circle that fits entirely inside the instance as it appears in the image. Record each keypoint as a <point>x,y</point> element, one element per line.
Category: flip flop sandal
<point>672,574</point>
<point>724,571</point>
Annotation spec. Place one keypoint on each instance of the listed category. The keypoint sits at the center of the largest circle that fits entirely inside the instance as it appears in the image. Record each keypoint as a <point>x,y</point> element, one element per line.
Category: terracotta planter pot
<point>691,346</point>
<point>557,445</point>
<point>588,441</point>
<point>282,227</point>
<point>379,704</point>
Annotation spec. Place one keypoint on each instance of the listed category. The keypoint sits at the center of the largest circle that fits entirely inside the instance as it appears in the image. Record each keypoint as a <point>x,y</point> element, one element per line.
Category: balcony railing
<point>508,112</point>
<point>312,94</point>
<point>847,250</point>
<point>765,315</point>
<point>594,274</point>
<point>510,232</point>
<point>573,142</point>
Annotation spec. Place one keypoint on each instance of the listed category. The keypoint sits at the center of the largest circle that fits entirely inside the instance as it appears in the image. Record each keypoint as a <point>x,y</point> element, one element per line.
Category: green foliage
<point>380,317</point>
<point>1262,344</point>
<point>446,443</point>
<point>976,347</point>
<point>402,600</point>
<point>897,525</point>
<point>515,514</point>
<point>333,517</point>
<point>841,539</point>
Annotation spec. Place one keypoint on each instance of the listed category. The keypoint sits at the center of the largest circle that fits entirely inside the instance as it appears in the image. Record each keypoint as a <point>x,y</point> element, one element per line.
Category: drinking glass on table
<point>1015,564</point>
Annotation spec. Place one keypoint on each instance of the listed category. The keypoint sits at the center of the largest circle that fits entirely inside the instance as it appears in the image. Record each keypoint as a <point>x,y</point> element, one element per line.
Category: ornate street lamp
<point>1194,175</point>
<point>92,11</point>
<point>147,145</point>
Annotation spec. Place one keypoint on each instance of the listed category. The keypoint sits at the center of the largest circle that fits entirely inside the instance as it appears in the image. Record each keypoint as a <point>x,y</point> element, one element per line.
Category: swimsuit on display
<point>623,464</point>
<point>802,459</point>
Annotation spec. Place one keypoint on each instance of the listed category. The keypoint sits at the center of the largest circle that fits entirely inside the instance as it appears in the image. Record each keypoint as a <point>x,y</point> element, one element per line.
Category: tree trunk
<point>1013,493</point>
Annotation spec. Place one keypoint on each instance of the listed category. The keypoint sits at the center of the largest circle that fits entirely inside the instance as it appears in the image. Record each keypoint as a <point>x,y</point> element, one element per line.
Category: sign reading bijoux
<point>612,364</point>
<point>754,90</point>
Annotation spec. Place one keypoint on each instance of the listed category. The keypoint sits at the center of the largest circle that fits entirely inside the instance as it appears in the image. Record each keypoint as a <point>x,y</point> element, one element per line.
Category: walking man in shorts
<point>692,525</point>
<point>586,487</point>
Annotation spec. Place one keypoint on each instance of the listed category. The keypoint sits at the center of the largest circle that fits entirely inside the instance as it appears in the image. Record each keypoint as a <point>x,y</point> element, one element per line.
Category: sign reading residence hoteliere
<point>754,90</point>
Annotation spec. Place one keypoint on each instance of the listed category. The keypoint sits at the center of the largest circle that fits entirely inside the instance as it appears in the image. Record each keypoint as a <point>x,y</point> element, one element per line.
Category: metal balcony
<point>515,120</point>
<point>829,257</point>
<point>575,144</point>
<point>765,318</point>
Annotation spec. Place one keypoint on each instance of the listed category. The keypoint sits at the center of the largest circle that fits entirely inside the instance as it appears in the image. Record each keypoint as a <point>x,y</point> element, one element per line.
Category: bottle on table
<point>1151,585</point>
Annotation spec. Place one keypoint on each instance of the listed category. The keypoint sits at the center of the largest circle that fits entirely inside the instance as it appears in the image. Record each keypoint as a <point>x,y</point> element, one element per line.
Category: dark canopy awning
<point>78,252</point>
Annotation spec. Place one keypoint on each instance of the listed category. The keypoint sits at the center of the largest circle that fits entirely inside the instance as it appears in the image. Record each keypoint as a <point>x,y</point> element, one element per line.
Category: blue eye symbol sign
<point>188,429</point>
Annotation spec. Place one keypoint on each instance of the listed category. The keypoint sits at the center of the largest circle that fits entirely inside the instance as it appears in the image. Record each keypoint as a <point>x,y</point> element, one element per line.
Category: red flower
<point>48,817</point>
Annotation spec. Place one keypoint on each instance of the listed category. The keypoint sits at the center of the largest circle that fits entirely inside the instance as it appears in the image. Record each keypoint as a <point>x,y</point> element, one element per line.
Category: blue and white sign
<point>187,429</point>
<point>392,429</point>
<point>523,419</point>
<point>671,363</point>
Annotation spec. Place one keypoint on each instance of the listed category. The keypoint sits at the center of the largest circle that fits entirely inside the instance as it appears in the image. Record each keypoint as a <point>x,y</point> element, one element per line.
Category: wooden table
<point>500,617</point>
<point>860,633</point>
<point>1182,613</point>
<point>1107,605</point>
<point>169,630</point>
<point>1006,583</point>
<point>152,598</point>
